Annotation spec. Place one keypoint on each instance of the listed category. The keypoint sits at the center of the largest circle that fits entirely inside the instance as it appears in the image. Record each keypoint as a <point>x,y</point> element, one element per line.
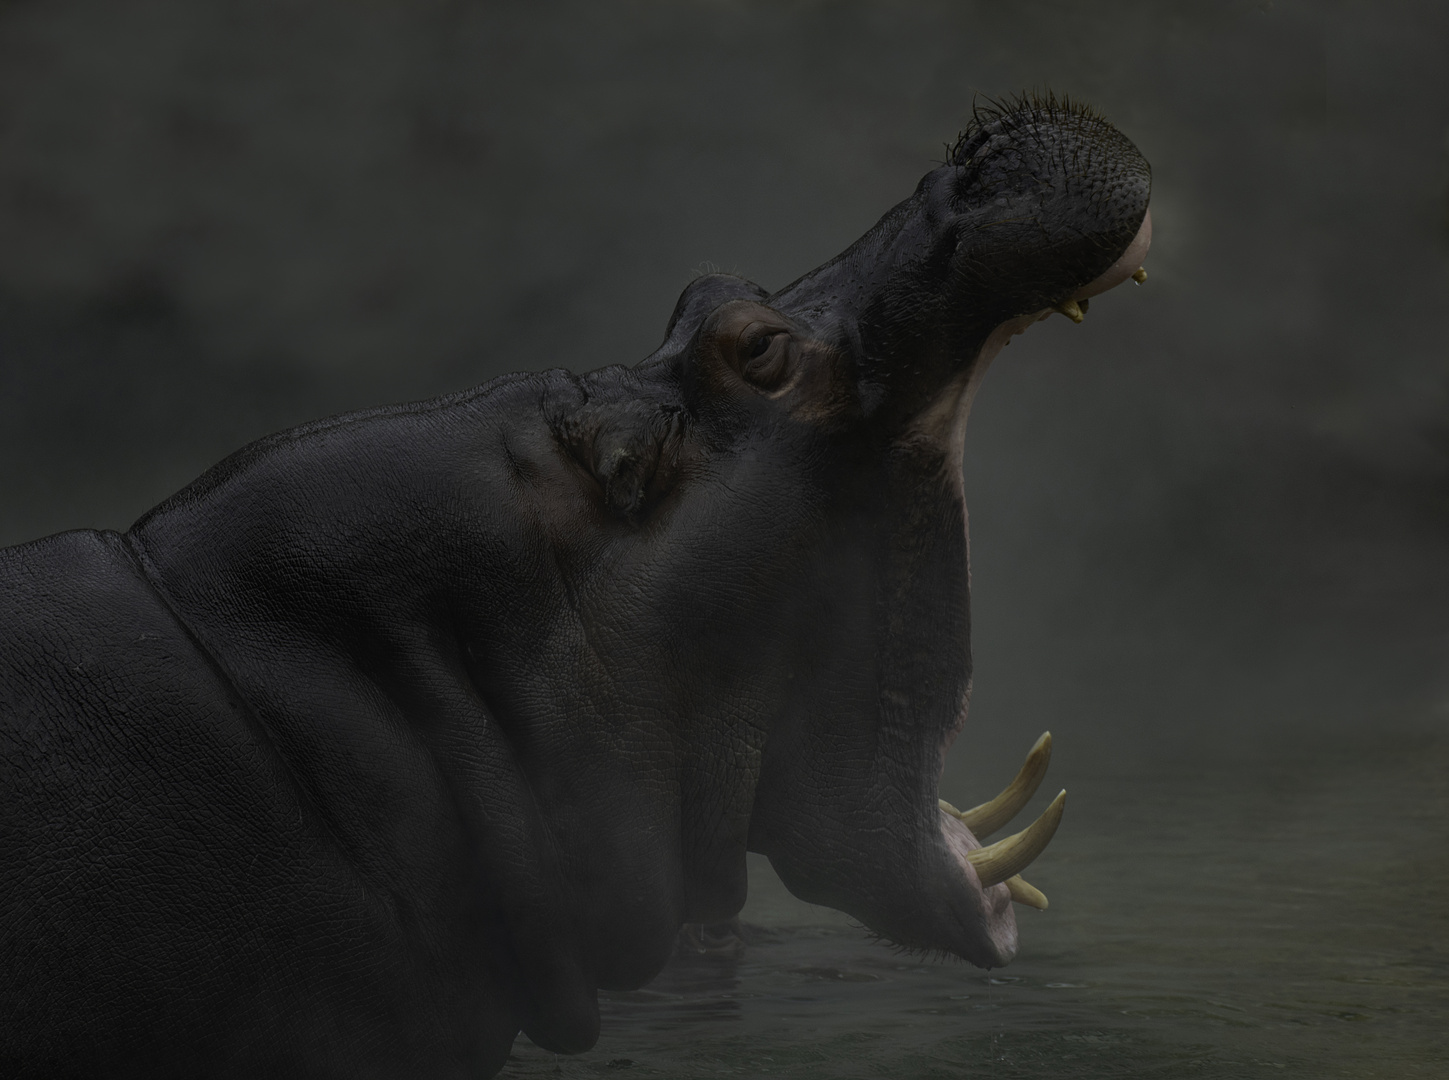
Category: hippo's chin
<point>997,925</point>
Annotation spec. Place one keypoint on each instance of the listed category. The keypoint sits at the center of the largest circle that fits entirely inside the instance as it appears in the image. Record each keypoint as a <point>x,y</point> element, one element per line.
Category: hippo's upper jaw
<point>1041,206</point>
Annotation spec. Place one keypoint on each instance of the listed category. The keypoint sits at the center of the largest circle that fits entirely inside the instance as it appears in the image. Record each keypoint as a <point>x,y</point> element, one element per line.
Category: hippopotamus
<point>399,733</point>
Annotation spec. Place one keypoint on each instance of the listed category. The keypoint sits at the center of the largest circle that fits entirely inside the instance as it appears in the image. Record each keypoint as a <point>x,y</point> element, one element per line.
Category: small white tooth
<point>1071,310</point>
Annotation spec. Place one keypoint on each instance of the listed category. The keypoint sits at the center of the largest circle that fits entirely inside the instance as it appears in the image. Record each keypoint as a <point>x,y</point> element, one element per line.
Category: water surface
<point>1286,918</point>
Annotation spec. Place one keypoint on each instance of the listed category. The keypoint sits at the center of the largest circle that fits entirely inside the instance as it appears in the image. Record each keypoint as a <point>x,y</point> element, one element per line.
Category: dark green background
<point>1215,514</point>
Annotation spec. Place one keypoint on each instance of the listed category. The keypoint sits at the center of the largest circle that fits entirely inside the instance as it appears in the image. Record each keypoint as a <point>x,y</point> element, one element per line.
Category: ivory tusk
<point>990,816</point>
<point>1007,858</point>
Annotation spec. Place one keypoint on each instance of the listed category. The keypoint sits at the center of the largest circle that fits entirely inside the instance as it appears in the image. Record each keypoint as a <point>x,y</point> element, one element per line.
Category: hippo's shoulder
<point>84,639</point>
<point>50,579</point>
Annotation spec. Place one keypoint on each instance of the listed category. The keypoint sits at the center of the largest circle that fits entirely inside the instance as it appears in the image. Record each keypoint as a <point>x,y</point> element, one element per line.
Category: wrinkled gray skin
<point>398,733</point>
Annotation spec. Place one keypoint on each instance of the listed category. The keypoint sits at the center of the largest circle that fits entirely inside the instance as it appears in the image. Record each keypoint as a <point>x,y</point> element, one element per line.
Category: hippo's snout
<point>1038,203</point>
<point>1046,197</point>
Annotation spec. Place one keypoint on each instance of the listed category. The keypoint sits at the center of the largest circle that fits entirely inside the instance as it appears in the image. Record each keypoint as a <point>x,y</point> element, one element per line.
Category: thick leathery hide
<point>187,912</point>
<point>402,732</point>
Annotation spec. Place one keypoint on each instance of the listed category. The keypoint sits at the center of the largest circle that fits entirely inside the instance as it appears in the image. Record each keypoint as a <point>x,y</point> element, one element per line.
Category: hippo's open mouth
<point>964,831</point>
<point>1040,207</point>
<point>994,871</point>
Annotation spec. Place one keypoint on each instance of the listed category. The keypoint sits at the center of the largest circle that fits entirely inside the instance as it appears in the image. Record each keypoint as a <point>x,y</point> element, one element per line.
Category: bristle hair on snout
<point>1011,110</point>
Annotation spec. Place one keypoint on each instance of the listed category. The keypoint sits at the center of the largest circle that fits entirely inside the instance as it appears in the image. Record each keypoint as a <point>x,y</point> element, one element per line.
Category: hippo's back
<point>160,879</point>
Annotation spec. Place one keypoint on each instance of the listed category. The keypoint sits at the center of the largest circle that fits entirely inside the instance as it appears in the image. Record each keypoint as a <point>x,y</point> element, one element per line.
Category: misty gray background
<point>1212,519</point>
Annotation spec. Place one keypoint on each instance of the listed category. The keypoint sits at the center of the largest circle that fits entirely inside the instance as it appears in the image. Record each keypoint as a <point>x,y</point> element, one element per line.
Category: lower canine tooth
<point>1024,893</point>
<point>1007,858</point>
<point>985,819</point>
<point>1071,310</point>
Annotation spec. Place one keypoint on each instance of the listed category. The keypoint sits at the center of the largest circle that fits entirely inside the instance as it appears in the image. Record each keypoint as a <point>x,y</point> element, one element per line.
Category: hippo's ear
<point>628,447</point>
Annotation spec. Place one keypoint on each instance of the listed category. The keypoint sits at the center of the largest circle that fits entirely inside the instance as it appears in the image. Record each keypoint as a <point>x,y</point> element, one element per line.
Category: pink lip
<point>1124,267</point>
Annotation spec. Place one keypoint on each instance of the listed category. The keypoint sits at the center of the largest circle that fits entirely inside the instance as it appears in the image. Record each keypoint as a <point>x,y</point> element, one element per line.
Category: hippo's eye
<point>766,358</point>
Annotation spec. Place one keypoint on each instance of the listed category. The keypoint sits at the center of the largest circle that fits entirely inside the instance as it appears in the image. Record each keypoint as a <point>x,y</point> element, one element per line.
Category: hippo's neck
<point>312,570</point>
<point>384,594</point>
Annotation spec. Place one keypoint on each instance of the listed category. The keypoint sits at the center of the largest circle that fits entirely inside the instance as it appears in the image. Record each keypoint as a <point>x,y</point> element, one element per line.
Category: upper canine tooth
<point>1007,858</point>
<point>1071,310</point>
<point>1139,275</point>
<point>985,819</point>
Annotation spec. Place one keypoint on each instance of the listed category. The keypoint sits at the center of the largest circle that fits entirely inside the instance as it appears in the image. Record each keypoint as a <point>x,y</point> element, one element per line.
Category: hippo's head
<point>765,538</point>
